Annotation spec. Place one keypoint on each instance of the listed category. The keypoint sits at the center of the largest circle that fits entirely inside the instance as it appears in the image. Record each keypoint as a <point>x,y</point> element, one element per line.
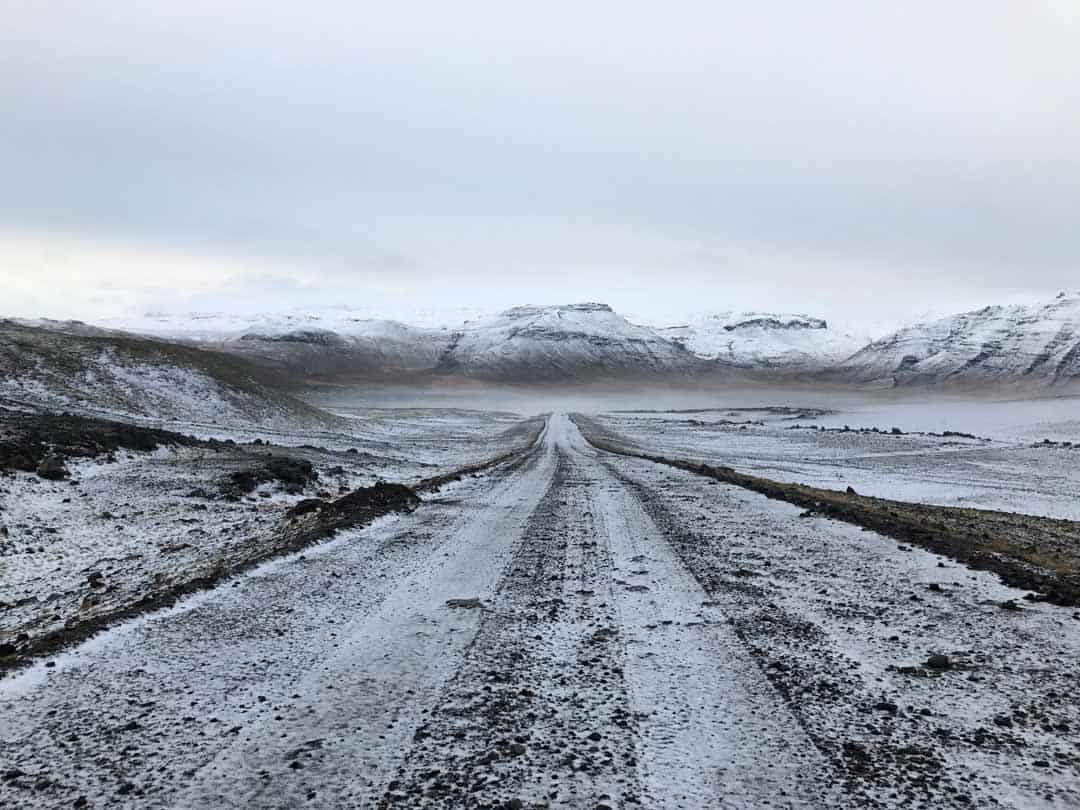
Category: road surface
<point>627,635</point>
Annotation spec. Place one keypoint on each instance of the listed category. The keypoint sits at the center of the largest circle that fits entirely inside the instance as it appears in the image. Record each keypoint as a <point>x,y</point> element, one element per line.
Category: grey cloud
<point>479,145</point>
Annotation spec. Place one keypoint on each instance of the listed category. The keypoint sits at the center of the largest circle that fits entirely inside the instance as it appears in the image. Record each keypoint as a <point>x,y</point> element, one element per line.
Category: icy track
<point>644,638</point>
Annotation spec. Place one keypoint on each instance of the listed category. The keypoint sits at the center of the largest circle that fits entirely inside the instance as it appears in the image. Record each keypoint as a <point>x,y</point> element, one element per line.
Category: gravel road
<point>569,630</point>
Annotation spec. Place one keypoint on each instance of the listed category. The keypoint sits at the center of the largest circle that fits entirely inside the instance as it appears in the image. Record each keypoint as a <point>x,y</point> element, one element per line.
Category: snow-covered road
<point>646,638</point>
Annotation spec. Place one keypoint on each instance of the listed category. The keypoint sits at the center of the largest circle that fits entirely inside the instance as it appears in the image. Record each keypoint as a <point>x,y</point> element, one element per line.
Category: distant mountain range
<point>1036,347</point>
<point>570,343</point>
<point>529,343</point>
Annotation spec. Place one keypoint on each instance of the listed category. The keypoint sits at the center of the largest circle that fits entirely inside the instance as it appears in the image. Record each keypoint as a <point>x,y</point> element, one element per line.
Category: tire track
<point>537,715</point>
<point>874,764</point>
<point>298,687</point>
<point>713,732</point>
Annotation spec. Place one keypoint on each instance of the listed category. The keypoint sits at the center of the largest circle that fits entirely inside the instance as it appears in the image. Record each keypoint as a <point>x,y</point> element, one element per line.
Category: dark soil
<point>28,440</point>
<point>292,473</point>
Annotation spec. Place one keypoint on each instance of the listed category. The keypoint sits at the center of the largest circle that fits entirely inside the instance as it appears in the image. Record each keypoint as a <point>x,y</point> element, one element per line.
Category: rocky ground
<point>100,519</point>
<point>570,628</point>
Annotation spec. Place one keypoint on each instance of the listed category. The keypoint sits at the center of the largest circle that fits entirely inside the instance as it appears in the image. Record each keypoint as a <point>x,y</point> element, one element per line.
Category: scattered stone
<point>292,473</point>
<point>857,756</point>
<point>173,548</point>
<point>939,662</point>
<point>466,604</point>
<point>1010,604</point>
<point>52,468</point>
<point>306,506</point>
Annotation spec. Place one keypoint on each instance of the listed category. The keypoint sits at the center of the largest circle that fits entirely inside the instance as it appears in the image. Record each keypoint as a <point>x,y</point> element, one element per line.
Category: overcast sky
<point>840,158</point>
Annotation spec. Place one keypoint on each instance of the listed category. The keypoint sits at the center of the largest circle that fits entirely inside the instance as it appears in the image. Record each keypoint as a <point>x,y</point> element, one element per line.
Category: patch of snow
<point>766,340</point>
<point>1040,343</point>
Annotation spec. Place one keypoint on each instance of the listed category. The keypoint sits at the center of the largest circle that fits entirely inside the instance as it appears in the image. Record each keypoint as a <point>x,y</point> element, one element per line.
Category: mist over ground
<point>1016,418</point>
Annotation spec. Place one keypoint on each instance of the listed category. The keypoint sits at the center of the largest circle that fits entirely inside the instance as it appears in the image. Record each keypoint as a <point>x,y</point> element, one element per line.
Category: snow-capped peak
<point>765,339</point>
<point>1038,344</point>
<point>567,340</point>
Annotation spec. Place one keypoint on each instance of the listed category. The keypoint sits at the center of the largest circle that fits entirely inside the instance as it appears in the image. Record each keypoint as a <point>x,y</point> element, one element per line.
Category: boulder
<point>52,468</point>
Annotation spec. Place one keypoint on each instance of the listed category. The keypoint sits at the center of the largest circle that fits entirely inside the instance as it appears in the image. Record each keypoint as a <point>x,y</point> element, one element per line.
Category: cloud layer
<point>824,156</point>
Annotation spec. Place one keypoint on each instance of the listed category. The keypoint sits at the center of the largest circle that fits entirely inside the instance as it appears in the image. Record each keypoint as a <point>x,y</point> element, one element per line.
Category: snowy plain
<point>643,637</point>
<point>1020,456</point>
<point>122,527</point>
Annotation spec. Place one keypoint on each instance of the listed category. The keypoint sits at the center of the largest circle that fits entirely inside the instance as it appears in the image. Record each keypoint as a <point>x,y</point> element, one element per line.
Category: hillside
<point>1020,346</point>
<point>64,367</point>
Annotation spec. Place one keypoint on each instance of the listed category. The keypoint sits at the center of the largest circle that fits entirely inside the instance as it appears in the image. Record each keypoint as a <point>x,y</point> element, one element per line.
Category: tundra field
<point>729,606</point>
<point>585,406</point>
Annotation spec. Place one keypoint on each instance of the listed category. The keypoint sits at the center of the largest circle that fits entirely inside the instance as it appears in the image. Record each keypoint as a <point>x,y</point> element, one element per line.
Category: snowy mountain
<point>377,348</point>
<point>541,343</point>
<point>1016,345</point>
<point>562,342</point>
<point>523,344</point>
<point>1029,345</point>
<point>344,320</point>
<point>758,340</point>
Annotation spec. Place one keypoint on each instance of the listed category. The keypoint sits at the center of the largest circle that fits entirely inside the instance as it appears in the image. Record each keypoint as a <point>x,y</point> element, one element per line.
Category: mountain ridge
<point>1035,346</point>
